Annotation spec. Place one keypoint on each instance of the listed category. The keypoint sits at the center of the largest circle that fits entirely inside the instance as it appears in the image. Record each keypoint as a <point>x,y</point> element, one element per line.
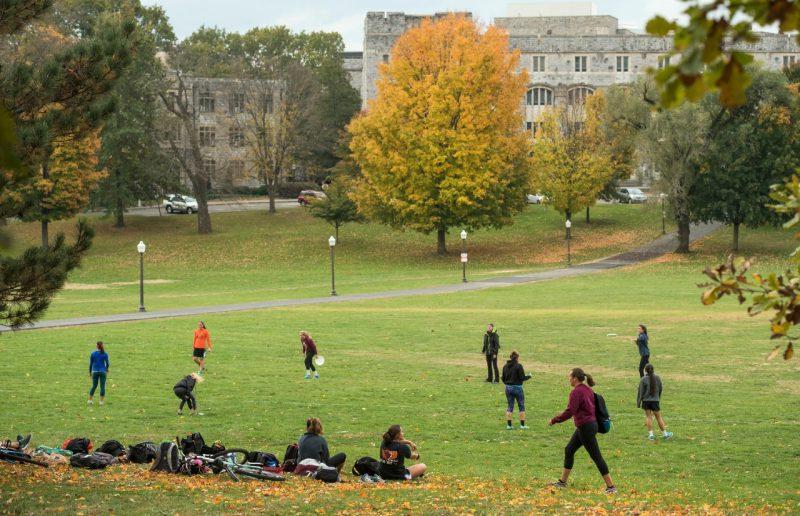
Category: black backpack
<point>263,458</point>
<point>79,445</point>
<point>142,453</point>
<point>366,466</point>
<point>192,443</point>
<point>96,460</point>
<point>113,448</point>
<point>290,457</point>
<point>601,414</point>
<point>168,458</point>
<point>327,474</point>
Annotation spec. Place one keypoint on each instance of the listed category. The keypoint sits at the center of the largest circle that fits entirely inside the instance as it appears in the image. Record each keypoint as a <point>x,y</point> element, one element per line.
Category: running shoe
<point>560,484</point>
<point>102,402</point>
<point>24,441</point>
<point>307,376</point>
<point>651,437</point>
<point>509,427</point>
<point>667,435</point>
<point>316,376</point>
<point>89,402</point>
<point>524,427</point>
<point>610,490</point>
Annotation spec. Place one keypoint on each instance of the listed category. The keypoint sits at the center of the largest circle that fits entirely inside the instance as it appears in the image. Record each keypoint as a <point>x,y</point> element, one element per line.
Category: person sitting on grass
<point>395,448</point>
<point>649,398</point>
<point>183,390</point>
<point>513,377</point>
<point>20,444</point>
<point>313,446</point>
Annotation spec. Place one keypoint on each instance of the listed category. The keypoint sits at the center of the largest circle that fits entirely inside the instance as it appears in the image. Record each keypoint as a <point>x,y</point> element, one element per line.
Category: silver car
<point>631,196</point>
<point>176,203</point>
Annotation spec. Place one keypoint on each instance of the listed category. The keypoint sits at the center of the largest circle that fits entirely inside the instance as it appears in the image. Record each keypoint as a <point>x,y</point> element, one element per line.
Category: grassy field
<point>415,361</point>
<point>253,256</point>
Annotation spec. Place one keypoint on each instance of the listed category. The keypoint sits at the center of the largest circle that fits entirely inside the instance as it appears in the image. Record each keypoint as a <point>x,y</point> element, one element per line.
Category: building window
<point>206,101</point>
<point>538,63</point>
<point>581,63</point>
<point>237,102</point>
<point>788,62</point>
<point>237,137</point>
<point>529,126</point>
<point>209,167</point>
<point>207,136</point>
<point>385,58</point>
<point>663,62</point>
<point>577,96</point>
<point>622,63</point>
<point>539,97</point>
<point>236,168</point>
<point>267,104</point>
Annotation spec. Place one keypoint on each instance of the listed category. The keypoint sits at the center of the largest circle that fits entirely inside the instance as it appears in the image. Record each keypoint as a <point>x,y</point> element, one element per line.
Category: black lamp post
<point>568,225</point>
<point>332,244</point>
<point>141,248</point>
<point>463,256</point>
<point>663,214</point>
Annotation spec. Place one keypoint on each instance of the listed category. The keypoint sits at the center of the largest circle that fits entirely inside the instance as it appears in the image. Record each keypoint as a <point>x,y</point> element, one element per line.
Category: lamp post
<point>332,244</point>
<point>141,248</point>
<point>463,256</point>
<point>568,225</point>
<point>662,196</point>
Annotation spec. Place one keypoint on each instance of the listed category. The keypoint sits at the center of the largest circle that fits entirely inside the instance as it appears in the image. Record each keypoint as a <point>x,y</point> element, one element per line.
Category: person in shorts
<point>649,399</point>
<point>201,346</point>
<point>395,448</point>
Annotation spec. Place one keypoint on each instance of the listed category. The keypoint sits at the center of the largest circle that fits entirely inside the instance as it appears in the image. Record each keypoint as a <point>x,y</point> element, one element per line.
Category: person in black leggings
<point>183,390</point>
<point>581,410</point>
<point>642,341</point>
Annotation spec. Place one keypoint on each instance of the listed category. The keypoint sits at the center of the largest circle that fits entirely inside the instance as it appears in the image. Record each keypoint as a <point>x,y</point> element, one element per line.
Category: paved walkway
<point>658,247</point>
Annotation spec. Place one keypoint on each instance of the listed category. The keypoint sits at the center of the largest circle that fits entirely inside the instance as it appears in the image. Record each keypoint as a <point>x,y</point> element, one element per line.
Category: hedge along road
<point>654,249</point>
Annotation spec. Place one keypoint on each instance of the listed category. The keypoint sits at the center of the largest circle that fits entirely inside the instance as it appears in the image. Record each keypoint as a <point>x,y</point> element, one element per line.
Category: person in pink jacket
<point>581,409</point>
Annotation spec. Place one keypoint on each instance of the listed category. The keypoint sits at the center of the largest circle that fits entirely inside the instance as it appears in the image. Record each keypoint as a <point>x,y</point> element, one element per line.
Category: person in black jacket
<point>183,390</point>
<point>312,445</point>
<point>491,346</point>
<point>514,376</point>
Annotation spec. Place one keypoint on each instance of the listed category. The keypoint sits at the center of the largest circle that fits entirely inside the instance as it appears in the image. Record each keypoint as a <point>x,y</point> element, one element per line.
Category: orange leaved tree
<point>443,146</point>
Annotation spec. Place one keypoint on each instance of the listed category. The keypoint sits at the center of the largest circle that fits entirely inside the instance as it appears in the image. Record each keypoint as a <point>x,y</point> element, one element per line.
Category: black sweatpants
<point>336,460</point>
<point>586,436</point>
<point>310,361</point>
<point>186,398</point>
<point>643,362</point>
<point>491,361</point>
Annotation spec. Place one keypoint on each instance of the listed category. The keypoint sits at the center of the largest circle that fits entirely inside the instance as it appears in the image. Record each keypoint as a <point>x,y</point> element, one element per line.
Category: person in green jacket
<point>649,398</point>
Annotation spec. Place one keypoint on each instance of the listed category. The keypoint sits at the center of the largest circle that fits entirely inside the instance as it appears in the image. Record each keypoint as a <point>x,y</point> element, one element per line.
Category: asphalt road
<point>216,207</point>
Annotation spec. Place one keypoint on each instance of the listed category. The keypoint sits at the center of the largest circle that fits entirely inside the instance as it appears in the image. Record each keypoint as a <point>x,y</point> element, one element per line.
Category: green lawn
<point>415,361</point>
<point>253,256</point>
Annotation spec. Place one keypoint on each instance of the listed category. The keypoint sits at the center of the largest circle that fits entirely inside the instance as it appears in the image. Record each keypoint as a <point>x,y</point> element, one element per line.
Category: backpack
<point>601,414</point>
<point>78,445</point>
<point>98,460</point>
<point>192,443</point>
<point>326,474</point>
<point>113,448</point>
<point>265,459</point>
<point>366,466</point>
<point>290,457</point>
<point>142,453</point>
<point>168,458</point>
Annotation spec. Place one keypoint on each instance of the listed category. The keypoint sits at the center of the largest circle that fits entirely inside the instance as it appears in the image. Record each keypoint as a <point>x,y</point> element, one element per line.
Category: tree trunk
<point>45,175</point>
<point>45,243</point>
<point>200,187</point>
<point>272,188</point>
<point>587,215</point>
<point>119,214</point>
<point>440,238</point>
<point>683,234</point>
<point>736,236</point>
<point>336,227</point>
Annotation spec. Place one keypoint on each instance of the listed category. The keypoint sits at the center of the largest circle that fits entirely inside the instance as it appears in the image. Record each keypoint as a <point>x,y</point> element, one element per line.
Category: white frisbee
<point>319,360</point>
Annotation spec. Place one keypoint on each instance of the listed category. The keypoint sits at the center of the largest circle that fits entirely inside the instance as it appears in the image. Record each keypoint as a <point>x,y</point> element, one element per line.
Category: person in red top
<point>201,345</point>
<point>581,409</point>
<point>310,351</point>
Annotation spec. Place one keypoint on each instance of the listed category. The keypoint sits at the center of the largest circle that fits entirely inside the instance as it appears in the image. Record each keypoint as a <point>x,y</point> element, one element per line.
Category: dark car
<point>306,197</point>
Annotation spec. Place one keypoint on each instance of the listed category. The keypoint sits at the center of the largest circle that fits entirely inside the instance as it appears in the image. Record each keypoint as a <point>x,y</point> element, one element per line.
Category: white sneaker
<point>316,376</point>
<point>307,376</point>
<point>102,402</point>
<point>89,402</point>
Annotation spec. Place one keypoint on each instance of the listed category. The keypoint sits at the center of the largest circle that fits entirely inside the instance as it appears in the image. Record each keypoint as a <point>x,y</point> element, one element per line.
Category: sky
<point>347,16</point>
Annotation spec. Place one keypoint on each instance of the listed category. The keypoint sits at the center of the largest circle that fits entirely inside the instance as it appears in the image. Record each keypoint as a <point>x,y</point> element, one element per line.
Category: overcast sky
<point>347,17</point>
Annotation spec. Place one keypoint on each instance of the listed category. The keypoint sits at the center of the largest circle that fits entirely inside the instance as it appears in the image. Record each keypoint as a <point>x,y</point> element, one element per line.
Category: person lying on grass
<point>20,444</point>
<point>395,448</point>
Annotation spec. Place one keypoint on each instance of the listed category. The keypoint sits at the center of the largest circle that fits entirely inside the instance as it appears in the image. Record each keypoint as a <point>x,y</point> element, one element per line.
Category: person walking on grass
<point>98,370</point>
<point>395,448</point>
<point>310,351</point>
<point>312,445</point>
<point>491,347</point>
<point>581,409</point>
<point>649,398</point>
<point>513,377</point>
<point>184,391</point>
<point>642,341</point>
<point>201,346</point>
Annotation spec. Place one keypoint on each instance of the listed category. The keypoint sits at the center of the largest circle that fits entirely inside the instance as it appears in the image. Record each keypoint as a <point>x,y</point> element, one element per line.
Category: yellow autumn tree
<point>442,145</point>
<point>572,162</point>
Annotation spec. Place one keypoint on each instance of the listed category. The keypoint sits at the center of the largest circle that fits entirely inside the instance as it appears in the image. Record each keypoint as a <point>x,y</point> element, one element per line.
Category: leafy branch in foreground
<point>778,294</point>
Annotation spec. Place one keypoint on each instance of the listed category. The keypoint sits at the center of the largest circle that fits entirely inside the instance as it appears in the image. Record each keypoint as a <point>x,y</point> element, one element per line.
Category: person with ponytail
<point>581,410</point>
<point>98,370</point>
<point>513,377</point>
<point>312,445</point>
<point>201,346</point>
<point>649,398</point>
<point>642,341</point>
<point>395,448</point>
<point>309,351</point>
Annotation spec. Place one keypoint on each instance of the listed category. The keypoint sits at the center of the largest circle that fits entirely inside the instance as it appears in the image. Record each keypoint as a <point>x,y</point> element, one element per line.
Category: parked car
<point>631,195</point>
<point>536,198</point>
<point>177,203</point>
<point>306,197</point>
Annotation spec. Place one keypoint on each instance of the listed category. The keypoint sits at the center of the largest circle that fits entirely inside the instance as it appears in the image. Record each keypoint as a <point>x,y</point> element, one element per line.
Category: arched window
<point>539,97</point>
<point>578,95</point>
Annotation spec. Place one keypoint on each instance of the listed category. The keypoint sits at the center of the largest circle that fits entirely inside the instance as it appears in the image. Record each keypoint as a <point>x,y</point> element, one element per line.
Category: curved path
<point>658,247</point>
